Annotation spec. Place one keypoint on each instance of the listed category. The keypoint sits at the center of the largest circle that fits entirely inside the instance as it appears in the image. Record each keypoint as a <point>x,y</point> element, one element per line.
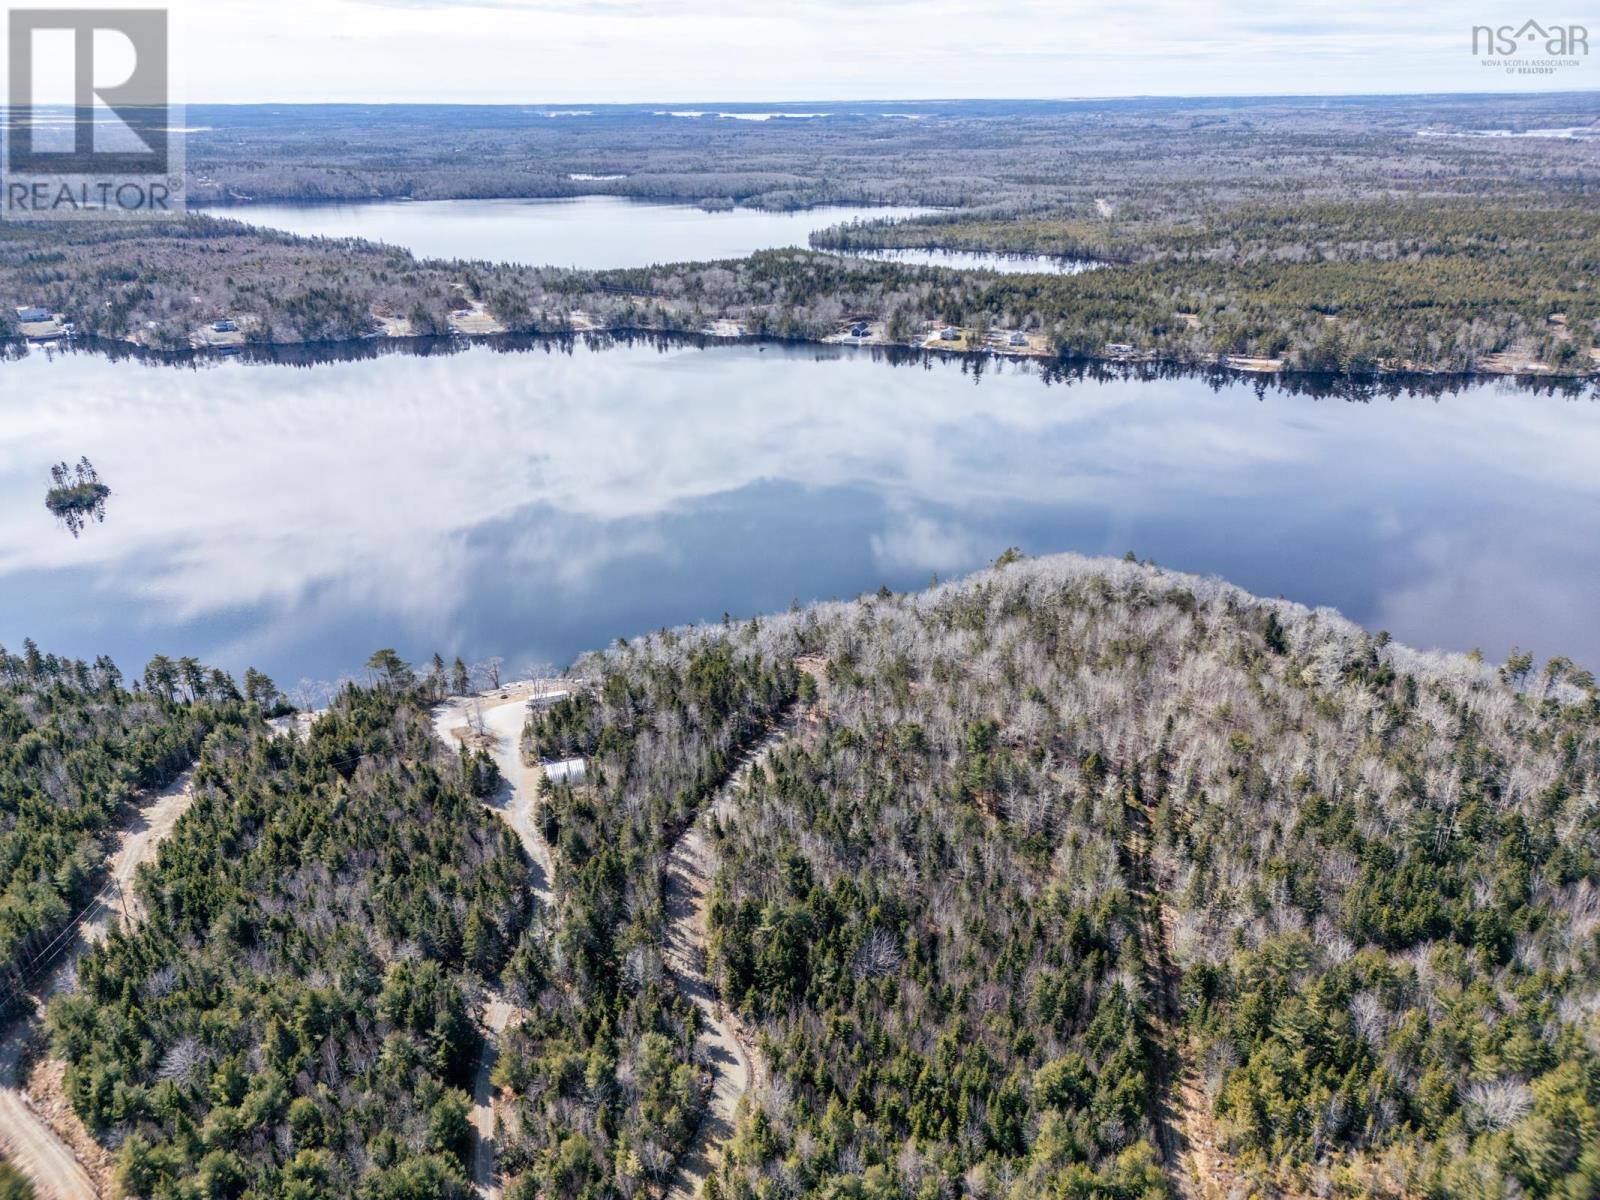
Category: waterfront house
<point>28,314</point>
<point>949,334</point>
<point>224,326</point>
<point>1017,339</point>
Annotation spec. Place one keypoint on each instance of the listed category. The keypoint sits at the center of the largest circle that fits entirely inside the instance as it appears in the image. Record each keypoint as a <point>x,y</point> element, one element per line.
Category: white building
<point>563,770</point>
<point>543,700</point>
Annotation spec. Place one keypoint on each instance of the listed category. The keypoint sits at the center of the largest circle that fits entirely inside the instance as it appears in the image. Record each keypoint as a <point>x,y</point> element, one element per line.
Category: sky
<point>640,51</point>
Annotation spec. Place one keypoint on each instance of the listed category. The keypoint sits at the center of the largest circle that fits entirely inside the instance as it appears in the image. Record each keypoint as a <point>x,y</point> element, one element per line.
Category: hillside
<point>1075,861</point>
<point>1073,878</point>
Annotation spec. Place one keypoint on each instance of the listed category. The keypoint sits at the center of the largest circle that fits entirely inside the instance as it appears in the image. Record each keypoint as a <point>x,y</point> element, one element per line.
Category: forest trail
<point>26,1137</point>
<point>497,1014</point>
<point>1198,1167</point>
<point>724,1041</point>
<point>494,722</point>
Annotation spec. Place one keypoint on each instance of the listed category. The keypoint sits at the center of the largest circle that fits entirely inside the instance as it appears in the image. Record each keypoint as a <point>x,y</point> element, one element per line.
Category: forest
<point>1146,152</point>
<point>1075,864</point>
<point>606,1089</point>
<point>293,1017</point>
<point>1087,862</point>
<point>1053,879</point>
<point>1347,236</point>
<point>76,748</point>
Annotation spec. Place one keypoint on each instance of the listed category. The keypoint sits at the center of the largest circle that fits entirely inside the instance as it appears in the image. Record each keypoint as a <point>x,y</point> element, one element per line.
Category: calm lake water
<point>537,502</point>
<point>591,232</point>
<point>971,260</point>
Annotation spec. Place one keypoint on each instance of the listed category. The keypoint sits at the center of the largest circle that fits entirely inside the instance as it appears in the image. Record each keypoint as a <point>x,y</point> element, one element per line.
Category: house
<point>563,770</point>
<point>1017,339</point>
<point>545,699</point>
<point>949,334</point>
<point>859,330</point>
<point>30,315</point>
<point>1118,348</point>
<point>224,326</point>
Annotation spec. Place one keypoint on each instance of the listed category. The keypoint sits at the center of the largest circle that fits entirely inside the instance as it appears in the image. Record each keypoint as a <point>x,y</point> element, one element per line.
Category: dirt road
<point>502,715</point>
<point>724,1042</point>
<point>497,1014</point>
<point>25,1137</point>
<point>31,1145</point>
<point>494,722</point>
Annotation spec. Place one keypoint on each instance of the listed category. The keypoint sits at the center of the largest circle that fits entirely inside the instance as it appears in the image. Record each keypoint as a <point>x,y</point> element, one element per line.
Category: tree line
<point>1062,862</point>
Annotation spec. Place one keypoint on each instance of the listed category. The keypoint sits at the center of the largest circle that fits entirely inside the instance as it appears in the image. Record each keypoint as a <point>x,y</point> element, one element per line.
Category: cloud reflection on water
<point>538,503</point>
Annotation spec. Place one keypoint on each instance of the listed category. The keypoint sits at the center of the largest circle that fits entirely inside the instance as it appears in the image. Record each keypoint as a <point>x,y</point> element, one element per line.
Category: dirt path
<point>503,715</point>
<point>1197,1165</point>
<point>136,846</point>
<point>26,1137</point>
<point>497,1014</point>
<point>724,1042</point>
<point>495,723</point>
<point>32,1146</point>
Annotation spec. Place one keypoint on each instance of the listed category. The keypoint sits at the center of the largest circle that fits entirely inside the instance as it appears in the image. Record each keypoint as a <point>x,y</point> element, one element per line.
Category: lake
<point>533,502</point>
<point>977,260</point>
<point>591,232</point>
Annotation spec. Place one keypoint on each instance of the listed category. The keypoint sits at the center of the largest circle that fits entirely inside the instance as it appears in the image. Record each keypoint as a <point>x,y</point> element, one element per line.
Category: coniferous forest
<point>76,748</point>
<point>1074,878</point>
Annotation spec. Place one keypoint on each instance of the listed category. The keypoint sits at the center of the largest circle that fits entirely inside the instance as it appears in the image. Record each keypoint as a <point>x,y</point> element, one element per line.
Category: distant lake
<point>591,232</point>
<point>535,502</point>
<point>971,260</point>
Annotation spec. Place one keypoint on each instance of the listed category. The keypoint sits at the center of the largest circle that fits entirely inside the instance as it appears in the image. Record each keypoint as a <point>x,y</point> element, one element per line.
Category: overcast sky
<point>567,51</point>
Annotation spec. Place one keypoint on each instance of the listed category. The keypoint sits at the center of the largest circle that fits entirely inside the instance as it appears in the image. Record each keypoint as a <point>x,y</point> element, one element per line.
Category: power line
<point>67,936</point>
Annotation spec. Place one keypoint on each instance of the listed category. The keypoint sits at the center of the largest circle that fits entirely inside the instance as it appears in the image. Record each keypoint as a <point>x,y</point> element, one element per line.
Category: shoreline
<point>310,353</point>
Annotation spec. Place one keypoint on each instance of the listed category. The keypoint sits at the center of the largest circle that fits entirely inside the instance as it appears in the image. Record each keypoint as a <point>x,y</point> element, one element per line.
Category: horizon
<point>789,102</point>
<point>621,52</point>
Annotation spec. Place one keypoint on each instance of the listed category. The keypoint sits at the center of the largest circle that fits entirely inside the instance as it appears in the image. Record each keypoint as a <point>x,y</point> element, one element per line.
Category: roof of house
<point>562,769</point>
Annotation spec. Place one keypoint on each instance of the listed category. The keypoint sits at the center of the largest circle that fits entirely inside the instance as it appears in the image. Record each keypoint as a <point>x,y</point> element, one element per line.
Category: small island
<point>76,495</point>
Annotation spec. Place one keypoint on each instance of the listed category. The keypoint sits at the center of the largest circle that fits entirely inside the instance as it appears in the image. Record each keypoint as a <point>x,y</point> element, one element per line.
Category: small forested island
<point>1075,878</point>
<point>76,495</point>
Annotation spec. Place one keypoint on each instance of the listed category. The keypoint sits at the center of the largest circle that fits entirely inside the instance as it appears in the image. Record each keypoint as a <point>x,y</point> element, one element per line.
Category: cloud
<point>913,542</point>
<point>565,51</point>
<point>519,483</point>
